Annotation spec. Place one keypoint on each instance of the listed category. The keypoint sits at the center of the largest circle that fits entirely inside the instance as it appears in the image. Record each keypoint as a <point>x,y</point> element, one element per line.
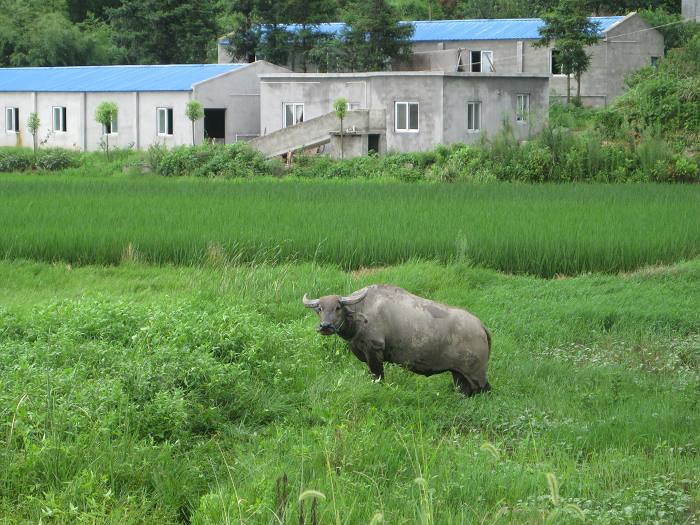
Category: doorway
<point>215,124</point>
<point>373,143</point>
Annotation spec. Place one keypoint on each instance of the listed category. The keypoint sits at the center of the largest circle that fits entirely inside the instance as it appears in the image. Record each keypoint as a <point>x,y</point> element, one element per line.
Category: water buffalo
<point>386,324</point>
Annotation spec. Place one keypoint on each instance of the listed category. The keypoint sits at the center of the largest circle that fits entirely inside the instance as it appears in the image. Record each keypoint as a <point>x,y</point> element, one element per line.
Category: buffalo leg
<point>467,386</point>
<point>375,366</point>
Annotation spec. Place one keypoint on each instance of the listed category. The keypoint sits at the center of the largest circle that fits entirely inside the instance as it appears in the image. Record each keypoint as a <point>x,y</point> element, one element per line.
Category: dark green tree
<point>375,35</point>
<point>571,31</point>
<point>242,24</point>
<point>165,31</point>
<point>79,10</point>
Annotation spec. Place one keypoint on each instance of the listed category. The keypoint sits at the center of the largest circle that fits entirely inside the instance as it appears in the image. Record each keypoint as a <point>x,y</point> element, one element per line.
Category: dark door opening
<point>373,144</point>
<point>215,124</point>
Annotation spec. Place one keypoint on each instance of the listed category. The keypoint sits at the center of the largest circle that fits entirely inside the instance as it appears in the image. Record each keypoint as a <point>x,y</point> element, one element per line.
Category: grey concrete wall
<point>238,92</point>
<point>427,90</point>
<point>147,118</point>
<point>441,99</point>
<point>498,97</point>
<point>628,47</point>
<point>318,92</point>
<point>691,10</point>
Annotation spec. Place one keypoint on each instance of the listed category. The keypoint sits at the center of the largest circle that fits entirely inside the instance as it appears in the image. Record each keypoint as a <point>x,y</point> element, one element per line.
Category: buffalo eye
<point>337,308</point>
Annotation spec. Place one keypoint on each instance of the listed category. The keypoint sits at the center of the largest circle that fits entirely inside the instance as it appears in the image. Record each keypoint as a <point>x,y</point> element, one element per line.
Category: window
<point>473,116</point>
<point>557,65</point>
<point>293,113</point>
<point>59,118</point>
<point>522,110</point>
<point>655,62</point>
<point>12,120</point>
<point>481,61</point>
<point>165,121</point>
<point>112,128</point>
<point>406,117</point>
<point>353,105</point>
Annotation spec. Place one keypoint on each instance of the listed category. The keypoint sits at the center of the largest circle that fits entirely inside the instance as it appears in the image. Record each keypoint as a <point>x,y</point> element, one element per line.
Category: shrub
<point>57,159</point>
<point>16,159</point>
<point>212,160</point>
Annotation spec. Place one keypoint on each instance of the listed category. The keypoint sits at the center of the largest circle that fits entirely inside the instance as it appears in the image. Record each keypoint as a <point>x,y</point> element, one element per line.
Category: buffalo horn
<point>310,303</point>
<point>354,298</point>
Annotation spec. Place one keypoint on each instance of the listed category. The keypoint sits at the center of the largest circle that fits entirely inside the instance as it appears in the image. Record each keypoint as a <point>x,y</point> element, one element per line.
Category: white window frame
<point>168,121</point>
<point>408,128</point>
<point>11,123</point>
<point>483,53</point>
<point>475,127</point>
<point>354,105</point>
<point>522,111</point>
<point>551,64</point>
<point>294,105</point>
<point>111,132</point>
<point>62,116</point>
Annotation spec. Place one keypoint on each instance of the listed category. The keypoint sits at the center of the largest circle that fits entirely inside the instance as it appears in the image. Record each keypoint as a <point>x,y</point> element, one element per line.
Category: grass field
<point>536,229</point>
<point>141,394</point>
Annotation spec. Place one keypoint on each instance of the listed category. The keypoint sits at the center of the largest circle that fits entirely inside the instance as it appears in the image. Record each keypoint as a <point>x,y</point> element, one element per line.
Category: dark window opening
<point>215,124</point>
<point>476,61</point>
<point>373,143</point>
<point>557,65</point>
<point>170,121</point>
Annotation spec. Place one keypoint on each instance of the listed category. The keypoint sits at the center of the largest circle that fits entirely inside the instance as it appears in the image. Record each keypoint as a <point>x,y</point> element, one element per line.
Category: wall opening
<point>215,124</point>
<point>373,143</point>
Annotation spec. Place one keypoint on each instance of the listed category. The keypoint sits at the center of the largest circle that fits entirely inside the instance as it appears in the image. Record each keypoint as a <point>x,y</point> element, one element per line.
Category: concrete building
<point>395,111</point>
<point>506,47</point>
<point>151,102</point>
<point>691,10</point>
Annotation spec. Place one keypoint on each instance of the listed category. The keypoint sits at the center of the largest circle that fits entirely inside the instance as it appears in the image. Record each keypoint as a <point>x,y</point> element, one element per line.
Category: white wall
<point>25,103</point>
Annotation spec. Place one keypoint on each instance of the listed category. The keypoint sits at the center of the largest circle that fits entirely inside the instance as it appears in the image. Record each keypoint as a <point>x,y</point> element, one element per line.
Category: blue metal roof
<point>178,77</point>
<point>485,29</point>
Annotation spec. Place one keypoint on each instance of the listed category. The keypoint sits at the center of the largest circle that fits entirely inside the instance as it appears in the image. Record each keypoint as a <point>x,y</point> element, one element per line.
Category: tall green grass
<point>174,395</point>
<point>543,229</point>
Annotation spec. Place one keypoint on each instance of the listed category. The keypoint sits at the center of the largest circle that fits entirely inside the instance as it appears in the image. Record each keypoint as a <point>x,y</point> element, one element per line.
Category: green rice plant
<point>538,229</point>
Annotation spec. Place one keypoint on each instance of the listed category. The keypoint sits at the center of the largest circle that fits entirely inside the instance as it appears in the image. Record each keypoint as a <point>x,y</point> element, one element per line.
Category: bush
<point>16,159</point>
<point>57,159</point>
<point>22,159</point>
<point>211,160</point>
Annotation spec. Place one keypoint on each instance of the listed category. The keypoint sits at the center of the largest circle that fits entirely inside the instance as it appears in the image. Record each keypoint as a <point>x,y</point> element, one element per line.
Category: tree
<point>375,35</point>
<point>194,112</point>
<point>106,114</point>
<point>33,124</point>
<point>340,106</point>
<point>165,31</point>
<point>571,31</point>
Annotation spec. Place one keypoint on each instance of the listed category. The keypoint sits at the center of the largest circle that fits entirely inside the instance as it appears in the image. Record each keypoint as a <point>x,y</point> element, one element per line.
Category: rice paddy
<point>517,228</point>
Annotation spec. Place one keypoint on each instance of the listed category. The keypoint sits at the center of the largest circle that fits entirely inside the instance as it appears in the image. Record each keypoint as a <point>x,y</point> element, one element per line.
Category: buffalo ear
<point>355,298</point>
<point>310,303</point>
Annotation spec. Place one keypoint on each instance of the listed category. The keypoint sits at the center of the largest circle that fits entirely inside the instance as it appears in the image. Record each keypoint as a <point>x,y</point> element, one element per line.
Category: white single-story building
<point>151,102</point>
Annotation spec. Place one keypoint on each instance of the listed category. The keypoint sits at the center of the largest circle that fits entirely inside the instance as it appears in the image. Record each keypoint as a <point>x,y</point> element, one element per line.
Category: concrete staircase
<point>314,132</point>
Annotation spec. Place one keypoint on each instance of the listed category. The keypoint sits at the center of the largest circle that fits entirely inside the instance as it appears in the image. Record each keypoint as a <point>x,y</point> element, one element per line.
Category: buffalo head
<point>332,311</point>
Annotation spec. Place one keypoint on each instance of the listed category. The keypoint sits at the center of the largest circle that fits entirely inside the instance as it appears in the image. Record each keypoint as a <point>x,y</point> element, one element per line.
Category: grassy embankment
<point>536,229</point>
<point>141,394</point>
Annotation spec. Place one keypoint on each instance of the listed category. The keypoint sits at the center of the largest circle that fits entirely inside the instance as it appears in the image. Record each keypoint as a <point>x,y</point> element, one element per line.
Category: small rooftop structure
<point>94,79</point>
